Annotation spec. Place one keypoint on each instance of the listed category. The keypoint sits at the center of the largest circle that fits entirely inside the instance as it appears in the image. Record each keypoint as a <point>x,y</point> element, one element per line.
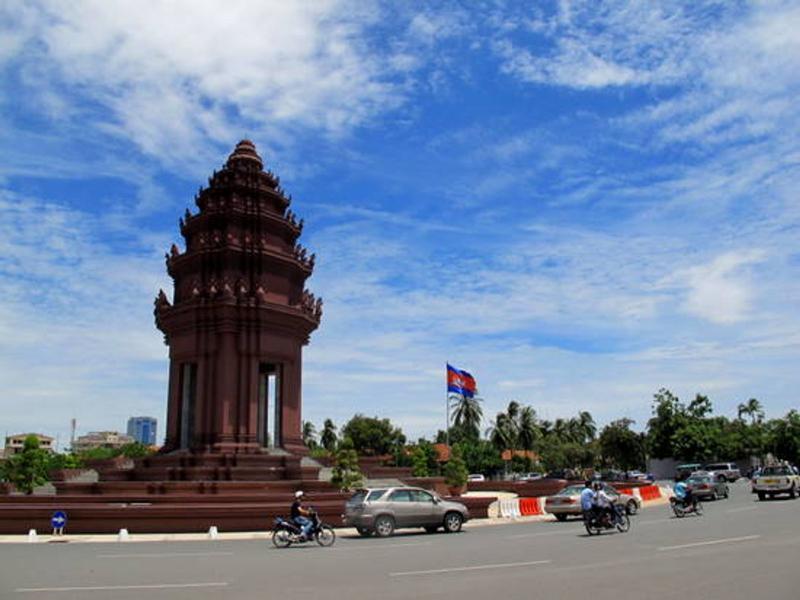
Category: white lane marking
<point>473,568</point>
<point>379,546</point>
<point>165,555</point>
<point>712,542</point>
<point>101,588</point>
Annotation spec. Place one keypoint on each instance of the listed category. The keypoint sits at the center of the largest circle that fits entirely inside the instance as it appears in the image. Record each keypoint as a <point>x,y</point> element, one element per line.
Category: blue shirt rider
<point>683,493</point>
<point>587,498</point>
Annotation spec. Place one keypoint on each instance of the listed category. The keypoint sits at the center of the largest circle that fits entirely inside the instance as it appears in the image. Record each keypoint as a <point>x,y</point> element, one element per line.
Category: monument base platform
<point>176,513</point>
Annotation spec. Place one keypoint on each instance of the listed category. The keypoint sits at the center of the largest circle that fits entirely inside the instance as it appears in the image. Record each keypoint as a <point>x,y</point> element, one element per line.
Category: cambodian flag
<point>460,382</point>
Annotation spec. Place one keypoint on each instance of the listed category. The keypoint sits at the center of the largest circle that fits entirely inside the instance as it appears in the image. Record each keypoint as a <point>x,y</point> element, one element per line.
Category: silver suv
<point>723,471</point>
<point>382,510</point>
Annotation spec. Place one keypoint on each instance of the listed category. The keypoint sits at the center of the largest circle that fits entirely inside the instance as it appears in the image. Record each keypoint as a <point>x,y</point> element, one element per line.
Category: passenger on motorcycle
<point>684,494</point>
<point>603,502</point>
<point>300,515</point>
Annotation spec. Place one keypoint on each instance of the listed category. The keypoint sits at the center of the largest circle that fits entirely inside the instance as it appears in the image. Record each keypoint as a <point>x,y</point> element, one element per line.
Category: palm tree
<point>528,431</point>
<point>502,433</point>
<point>588,427</point>
<point>753,409</point>
<point>328,438</point>
<point>309,435</point>
<point>561,430</point>
<point>513,411</point>
<point>468,414</point>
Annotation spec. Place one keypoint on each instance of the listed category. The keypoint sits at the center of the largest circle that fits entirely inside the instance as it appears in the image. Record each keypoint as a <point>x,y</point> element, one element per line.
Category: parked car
<point>776,480</point>
<point>530,477</point>
<point>476,477</point>
<point>383,510</point>
<point>639,476</point>
<point>562,474</point>
<point>708,487</point>
<point>568,501</point>
<point>728,471</point>
<point>613,475</point>
<point>684,471</point>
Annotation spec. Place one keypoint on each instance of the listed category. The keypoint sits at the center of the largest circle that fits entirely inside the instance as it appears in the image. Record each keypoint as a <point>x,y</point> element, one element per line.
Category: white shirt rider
<point>602,499</point>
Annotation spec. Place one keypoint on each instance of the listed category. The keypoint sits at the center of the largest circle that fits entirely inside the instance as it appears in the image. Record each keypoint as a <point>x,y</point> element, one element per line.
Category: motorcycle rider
<point>300,515</point>
<point>587,500</point>
<point>684,493</point>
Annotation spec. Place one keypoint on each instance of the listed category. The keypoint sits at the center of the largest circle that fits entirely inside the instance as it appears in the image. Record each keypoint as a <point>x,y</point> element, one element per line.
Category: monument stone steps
<point>131,489</point>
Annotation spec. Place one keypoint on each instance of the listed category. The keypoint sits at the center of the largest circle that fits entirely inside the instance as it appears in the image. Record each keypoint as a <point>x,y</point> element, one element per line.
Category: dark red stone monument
<point>236,326</point>
<point>239,317</point>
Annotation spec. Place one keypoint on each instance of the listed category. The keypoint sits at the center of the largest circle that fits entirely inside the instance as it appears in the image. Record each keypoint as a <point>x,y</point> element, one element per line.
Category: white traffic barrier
<point>33,536</point>
<point>509,508</point>
<point>213,533</point>
<point>123,536</point>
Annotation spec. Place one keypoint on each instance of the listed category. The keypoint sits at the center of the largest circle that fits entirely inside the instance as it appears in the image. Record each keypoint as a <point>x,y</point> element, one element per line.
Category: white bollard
<point>213,533</point>
<point>123,536</point>
<point>33,537</point>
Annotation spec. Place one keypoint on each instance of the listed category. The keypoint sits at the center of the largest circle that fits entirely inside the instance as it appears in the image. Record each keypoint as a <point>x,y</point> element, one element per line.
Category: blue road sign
<point>59,519</point>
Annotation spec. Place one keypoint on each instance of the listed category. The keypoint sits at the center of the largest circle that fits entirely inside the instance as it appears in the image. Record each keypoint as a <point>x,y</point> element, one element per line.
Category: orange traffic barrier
<point>650,492</point>
<point>530,506</point>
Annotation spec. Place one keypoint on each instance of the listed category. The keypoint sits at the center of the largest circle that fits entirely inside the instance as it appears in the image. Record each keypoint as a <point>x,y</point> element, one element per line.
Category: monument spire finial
<point>244,152</point>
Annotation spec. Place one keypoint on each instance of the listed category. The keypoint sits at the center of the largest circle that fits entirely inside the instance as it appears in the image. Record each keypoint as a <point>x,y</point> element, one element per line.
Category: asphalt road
<point>740,548</point>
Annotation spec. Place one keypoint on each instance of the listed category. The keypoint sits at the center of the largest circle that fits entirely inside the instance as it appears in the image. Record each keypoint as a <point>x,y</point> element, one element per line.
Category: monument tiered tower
<point>239,317</point>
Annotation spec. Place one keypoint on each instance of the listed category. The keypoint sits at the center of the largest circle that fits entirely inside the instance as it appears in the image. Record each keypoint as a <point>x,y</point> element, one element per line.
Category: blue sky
<point>578,202</point>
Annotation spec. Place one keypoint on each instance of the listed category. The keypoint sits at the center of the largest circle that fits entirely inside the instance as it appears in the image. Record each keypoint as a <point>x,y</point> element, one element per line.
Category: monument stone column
<point>239,316</point>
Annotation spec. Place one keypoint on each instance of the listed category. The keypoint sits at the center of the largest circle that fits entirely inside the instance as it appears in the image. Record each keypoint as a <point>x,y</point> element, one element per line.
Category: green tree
<point>455,471</point>
<point>309,435</point>
<point>753,409</point>
<point>467,416</point>
<point>420,462</point>
<point>27,470</point>
<point>98,454</point>
<point>668,417</point>
<point>503,432</point>
<point>328,438</point>
<point>481,457</point>
<point>527,430</point>
<point>620,446</point>
<point>372,436</point>
<point>785,437</point>
<point>63,461</point>
<point>135,450</point>
<point>585,427</point>
<point>346,473</point>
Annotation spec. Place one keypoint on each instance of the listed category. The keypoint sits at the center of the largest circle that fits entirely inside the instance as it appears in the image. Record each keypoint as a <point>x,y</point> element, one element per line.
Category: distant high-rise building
<point>143,429</point>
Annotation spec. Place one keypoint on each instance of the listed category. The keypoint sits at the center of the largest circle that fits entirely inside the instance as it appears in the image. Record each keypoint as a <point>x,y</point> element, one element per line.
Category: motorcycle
<point>285,532</point>
<point>596,522</point>
<point>681,509</point>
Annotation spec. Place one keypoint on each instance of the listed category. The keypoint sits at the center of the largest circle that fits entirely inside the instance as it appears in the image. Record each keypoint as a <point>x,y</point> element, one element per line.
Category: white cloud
<point>174,76</point>
<point>76,331</point>
<point>573,65</point>
<point>719,291</point>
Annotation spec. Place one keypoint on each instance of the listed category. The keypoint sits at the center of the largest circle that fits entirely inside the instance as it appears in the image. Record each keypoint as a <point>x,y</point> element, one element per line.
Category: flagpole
<point>446,406</point>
